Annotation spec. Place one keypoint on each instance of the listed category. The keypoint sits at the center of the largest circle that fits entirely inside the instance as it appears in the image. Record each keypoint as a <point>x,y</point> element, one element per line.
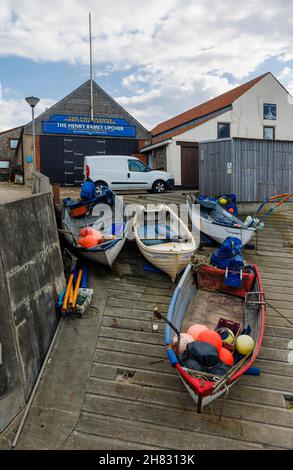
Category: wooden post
<point>56,193</point>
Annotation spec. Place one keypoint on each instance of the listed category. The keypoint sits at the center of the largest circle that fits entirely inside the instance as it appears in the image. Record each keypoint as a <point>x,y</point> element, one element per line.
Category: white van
<point>125,172</point>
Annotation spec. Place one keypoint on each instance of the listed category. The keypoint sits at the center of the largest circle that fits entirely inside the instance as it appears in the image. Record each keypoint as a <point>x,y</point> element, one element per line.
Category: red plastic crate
<point>233,326</point>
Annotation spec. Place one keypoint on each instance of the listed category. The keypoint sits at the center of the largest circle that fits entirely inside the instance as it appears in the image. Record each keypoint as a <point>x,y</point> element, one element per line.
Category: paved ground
<point>109,386</point>
<point>11,192</point>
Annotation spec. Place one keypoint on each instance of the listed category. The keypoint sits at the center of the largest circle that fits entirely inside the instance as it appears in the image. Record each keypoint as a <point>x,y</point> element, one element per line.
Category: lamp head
<point>32,101</point>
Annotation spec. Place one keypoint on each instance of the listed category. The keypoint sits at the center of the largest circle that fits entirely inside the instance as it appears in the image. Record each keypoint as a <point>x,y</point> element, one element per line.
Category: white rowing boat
<point>219,224</point>
<point>163,239</point>
<point>214,220</point>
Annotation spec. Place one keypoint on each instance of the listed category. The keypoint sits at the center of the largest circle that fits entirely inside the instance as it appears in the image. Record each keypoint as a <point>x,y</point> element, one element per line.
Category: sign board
<point>4,165</point>
<point>105,126</point>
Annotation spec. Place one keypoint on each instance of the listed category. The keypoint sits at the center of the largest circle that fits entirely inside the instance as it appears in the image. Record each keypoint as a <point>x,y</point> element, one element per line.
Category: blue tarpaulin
<point>229,255</point>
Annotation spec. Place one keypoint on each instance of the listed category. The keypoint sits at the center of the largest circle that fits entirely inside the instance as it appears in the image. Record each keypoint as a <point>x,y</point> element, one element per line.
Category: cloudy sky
<point>157,58</point>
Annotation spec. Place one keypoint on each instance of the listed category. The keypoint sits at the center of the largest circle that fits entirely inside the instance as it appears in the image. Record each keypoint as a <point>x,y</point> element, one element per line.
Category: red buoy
<point>212,337</point>
<point>226,356</point>
<point>89,241</point>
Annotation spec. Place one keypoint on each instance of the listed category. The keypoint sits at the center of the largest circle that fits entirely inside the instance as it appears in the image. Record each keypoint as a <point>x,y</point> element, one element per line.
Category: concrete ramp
<point>31,275</point>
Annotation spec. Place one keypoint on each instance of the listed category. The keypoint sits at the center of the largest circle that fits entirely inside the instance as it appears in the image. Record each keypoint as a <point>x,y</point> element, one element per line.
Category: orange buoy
<point>184,340</point>
<point>212,337</point>
<point>89,241</point>
<point>195,330</point>
<point>85,231</point>
<point>231,210</point>
<point>226,356</point>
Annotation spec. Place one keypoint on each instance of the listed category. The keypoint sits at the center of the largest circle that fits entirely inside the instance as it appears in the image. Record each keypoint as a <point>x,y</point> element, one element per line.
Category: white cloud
<point>286,77</point>
<point>15,111</point>
<point>134,78</point>
<point>180,51</point>
<point>139,98</point>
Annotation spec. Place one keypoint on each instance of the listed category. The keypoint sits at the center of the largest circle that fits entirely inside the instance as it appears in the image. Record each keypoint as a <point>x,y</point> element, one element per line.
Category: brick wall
<point>160,161</point>
<point>38,153</point>
<point>6,153</point>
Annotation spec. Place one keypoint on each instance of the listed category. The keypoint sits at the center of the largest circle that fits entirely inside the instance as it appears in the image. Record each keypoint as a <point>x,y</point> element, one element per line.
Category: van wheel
<point>99,185</point>
<point>159,186</point>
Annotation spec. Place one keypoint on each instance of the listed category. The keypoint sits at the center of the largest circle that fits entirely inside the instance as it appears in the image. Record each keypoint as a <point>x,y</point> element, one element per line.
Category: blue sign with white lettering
<point>106,126</point>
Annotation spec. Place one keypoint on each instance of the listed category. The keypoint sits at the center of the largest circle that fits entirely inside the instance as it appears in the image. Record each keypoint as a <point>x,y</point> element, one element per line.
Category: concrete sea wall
<point>31,275</point>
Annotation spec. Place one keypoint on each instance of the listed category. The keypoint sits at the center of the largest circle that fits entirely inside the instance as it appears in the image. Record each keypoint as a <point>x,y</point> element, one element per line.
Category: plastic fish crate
<point>87,293</point>
<point>233,326</point>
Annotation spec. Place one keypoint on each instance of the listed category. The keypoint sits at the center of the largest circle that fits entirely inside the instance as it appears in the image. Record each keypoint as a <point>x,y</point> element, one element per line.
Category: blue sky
<point>157,61</point>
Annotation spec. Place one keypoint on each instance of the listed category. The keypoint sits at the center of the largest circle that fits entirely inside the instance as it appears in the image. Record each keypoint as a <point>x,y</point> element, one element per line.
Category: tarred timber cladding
<point>78,103</point>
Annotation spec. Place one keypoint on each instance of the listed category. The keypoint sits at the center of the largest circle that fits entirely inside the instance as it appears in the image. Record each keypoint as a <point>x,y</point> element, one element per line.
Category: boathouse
<point>65,133</point>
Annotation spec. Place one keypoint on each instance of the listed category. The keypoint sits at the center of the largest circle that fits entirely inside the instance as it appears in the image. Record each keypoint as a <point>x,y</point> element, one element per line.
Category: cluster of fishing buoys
<point>89,237</point>
<point>196,332</point>
<point>223,201</point>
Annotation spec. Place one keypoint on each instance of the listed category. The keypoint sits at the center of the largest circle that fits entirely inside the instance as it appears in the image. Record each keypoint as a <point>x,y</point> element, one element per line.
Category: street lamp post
<point>33,101</point>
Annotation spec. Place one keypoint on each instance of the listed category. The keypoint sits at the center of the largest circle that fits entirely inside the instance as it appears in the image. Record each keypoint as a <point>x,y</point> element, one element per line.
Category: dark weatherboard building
<point>65,134</point>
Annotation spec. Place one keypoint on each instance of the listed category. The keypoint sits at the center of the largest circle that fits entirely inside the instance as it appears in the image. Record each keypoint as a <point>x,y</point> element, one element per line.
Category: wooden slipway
<point>134,400</point>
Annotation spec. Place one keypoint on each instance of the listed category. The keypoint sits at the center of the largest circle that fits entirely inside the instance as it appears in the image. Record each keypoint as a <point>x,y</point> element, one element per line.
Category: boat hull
<point>203,389</point>
<point>171,256</point>
<point>218,232</point>
<point>105,257</point>
<point>171,263</point>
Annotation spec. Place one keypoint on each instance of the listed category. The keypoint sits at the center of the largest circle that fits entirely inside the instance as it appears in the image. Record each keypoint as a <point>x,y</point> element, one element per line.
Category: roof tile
<point>215,104</point>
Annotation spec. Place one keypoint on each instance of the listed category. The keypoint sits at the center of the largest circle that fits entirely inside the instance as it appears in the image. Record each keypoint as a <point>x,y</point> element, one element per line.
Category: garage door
<point>74,153</point>
<point>62,157</point>
<point>189,165</point>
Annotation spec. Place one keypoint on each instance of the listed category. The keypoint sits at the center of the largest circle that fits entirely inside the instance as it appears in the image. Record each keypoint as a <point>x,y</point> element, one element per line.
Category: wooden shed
<point>253,169</point>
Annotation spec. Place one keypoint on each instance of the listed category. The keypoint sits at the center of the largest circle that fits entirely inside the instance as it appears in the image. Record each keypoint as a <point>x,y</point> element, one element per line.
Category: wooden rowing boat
<point>218,223</point>
<point>211,218</point>
<point>107,215</point>
<point>202,297</point>
<point>163,239</point>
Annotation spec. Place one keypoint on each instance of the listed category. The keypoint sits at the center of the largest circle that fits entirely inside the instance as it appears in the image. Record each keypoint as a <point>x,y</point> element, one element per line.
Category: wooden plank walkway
<point>134,399</point>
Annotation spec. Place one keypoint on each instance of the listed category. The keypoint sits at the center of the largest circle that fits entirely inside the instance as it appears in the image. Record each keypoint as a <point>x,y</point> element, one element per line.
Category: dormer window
<point>270,111</point>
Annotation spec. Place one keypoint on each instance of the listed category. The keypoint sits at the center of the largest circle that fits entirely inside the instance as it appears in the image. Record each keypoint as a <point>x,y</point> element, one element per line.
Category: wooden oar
<point>75,293</point>
<point>285,198</point>
<point>231,373</point>
<point>67,294</point>
<point>162,317</point>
